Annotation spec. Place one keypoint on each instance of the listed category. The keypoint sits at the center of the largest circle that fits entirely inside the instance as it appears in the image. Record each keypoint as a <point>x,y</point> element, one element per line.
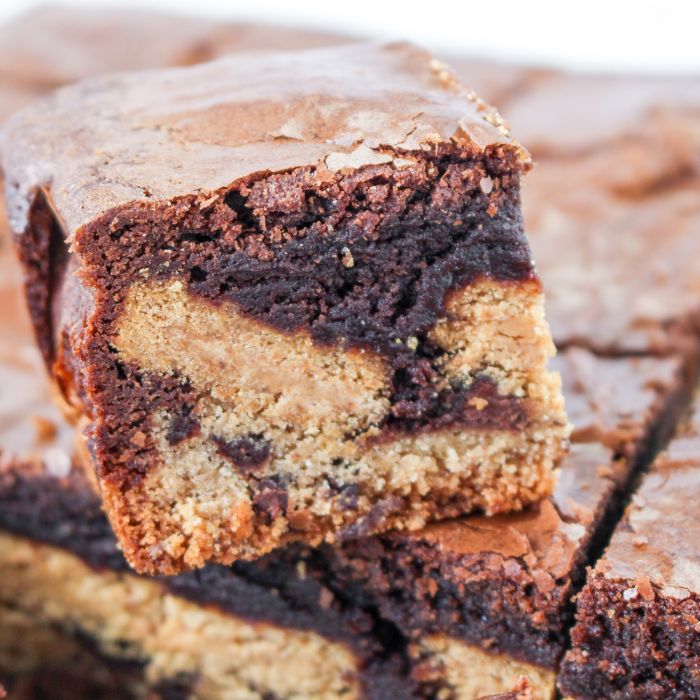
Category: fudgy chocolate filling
<point>424,590</point>
<point>249,453</point>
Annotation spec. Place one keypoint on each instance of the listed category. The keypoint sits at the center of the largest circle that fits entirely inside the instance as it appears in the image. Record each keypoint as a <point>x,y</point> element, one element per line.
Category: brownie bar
<point>390,352</point>
<point>637,632</point>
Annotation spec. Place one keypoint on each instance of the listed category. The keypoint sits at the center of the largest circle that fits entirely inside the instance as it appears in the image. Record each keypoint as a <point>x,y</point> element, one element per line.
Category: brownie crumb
<point>373,519</point>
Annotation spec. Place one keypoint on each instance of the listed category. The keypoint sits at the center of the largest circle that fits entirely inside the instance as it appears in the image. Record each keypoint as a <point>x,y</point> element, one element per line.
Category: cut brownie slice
<point>310,316</point>
<point>637,632</point>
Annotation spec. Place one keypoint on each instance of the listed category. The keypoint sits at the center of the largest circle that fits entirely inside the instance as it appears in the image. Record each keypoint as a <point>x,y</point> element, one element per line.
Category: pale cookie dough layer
<point>468,673</point>
<point>136,619</point>
<point>320,414</point>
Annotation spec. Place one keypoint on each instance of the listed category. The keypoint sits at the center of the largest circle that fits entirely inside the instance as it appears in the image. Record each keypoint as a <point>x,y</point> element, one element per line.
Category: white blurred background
<point>642,36</point>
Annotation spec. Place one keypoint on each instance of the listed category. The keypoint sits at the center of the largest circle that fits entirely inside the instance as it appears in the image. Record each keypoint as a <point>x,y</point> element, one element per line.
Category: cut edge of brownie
<point>370,279</point>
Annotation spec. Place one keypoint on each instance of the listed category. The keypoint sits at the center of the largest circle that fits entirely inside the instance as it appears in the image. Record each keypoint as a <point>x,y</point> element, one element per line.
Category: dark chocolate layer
<point>61,512</point>
<point>424,589</point>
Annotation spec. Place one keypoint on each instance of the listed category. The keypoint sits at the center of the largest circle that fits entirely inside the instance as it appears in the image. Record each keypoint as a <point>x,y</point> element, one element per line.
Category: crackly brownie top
<point>614,399</point>
<point>657,541</point>
<point>152,136</point>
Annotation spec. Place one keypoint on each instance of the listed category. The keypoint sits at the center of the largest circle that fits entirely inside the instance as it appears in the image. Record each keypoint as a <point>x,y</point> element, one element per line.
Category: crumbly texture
<point>340,333</point>
<point>637,632</point>
<point>498,586</point>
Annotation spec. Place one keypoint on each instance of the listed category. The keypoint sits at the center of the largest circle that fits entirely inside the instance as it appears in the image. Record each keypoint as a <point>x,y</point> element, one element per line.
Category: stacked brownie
<point>292,301</point>
<point>455,609</point>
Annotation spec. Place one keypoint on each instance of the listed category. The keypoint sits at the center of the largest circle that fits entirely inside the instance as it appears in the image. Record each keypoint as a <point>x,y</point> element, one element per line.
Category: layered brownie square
<point>637,632</point>
<point>290,296</point>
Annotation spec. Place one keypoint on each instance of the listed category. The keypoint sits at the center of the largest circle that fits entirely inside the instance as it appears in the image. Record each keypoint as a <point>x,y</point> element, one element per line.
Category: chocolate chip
<point>348,493</point>
<point>248,453</point>
<point>182,427</point>
<point>270,501</point>
<point>374,518</point>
